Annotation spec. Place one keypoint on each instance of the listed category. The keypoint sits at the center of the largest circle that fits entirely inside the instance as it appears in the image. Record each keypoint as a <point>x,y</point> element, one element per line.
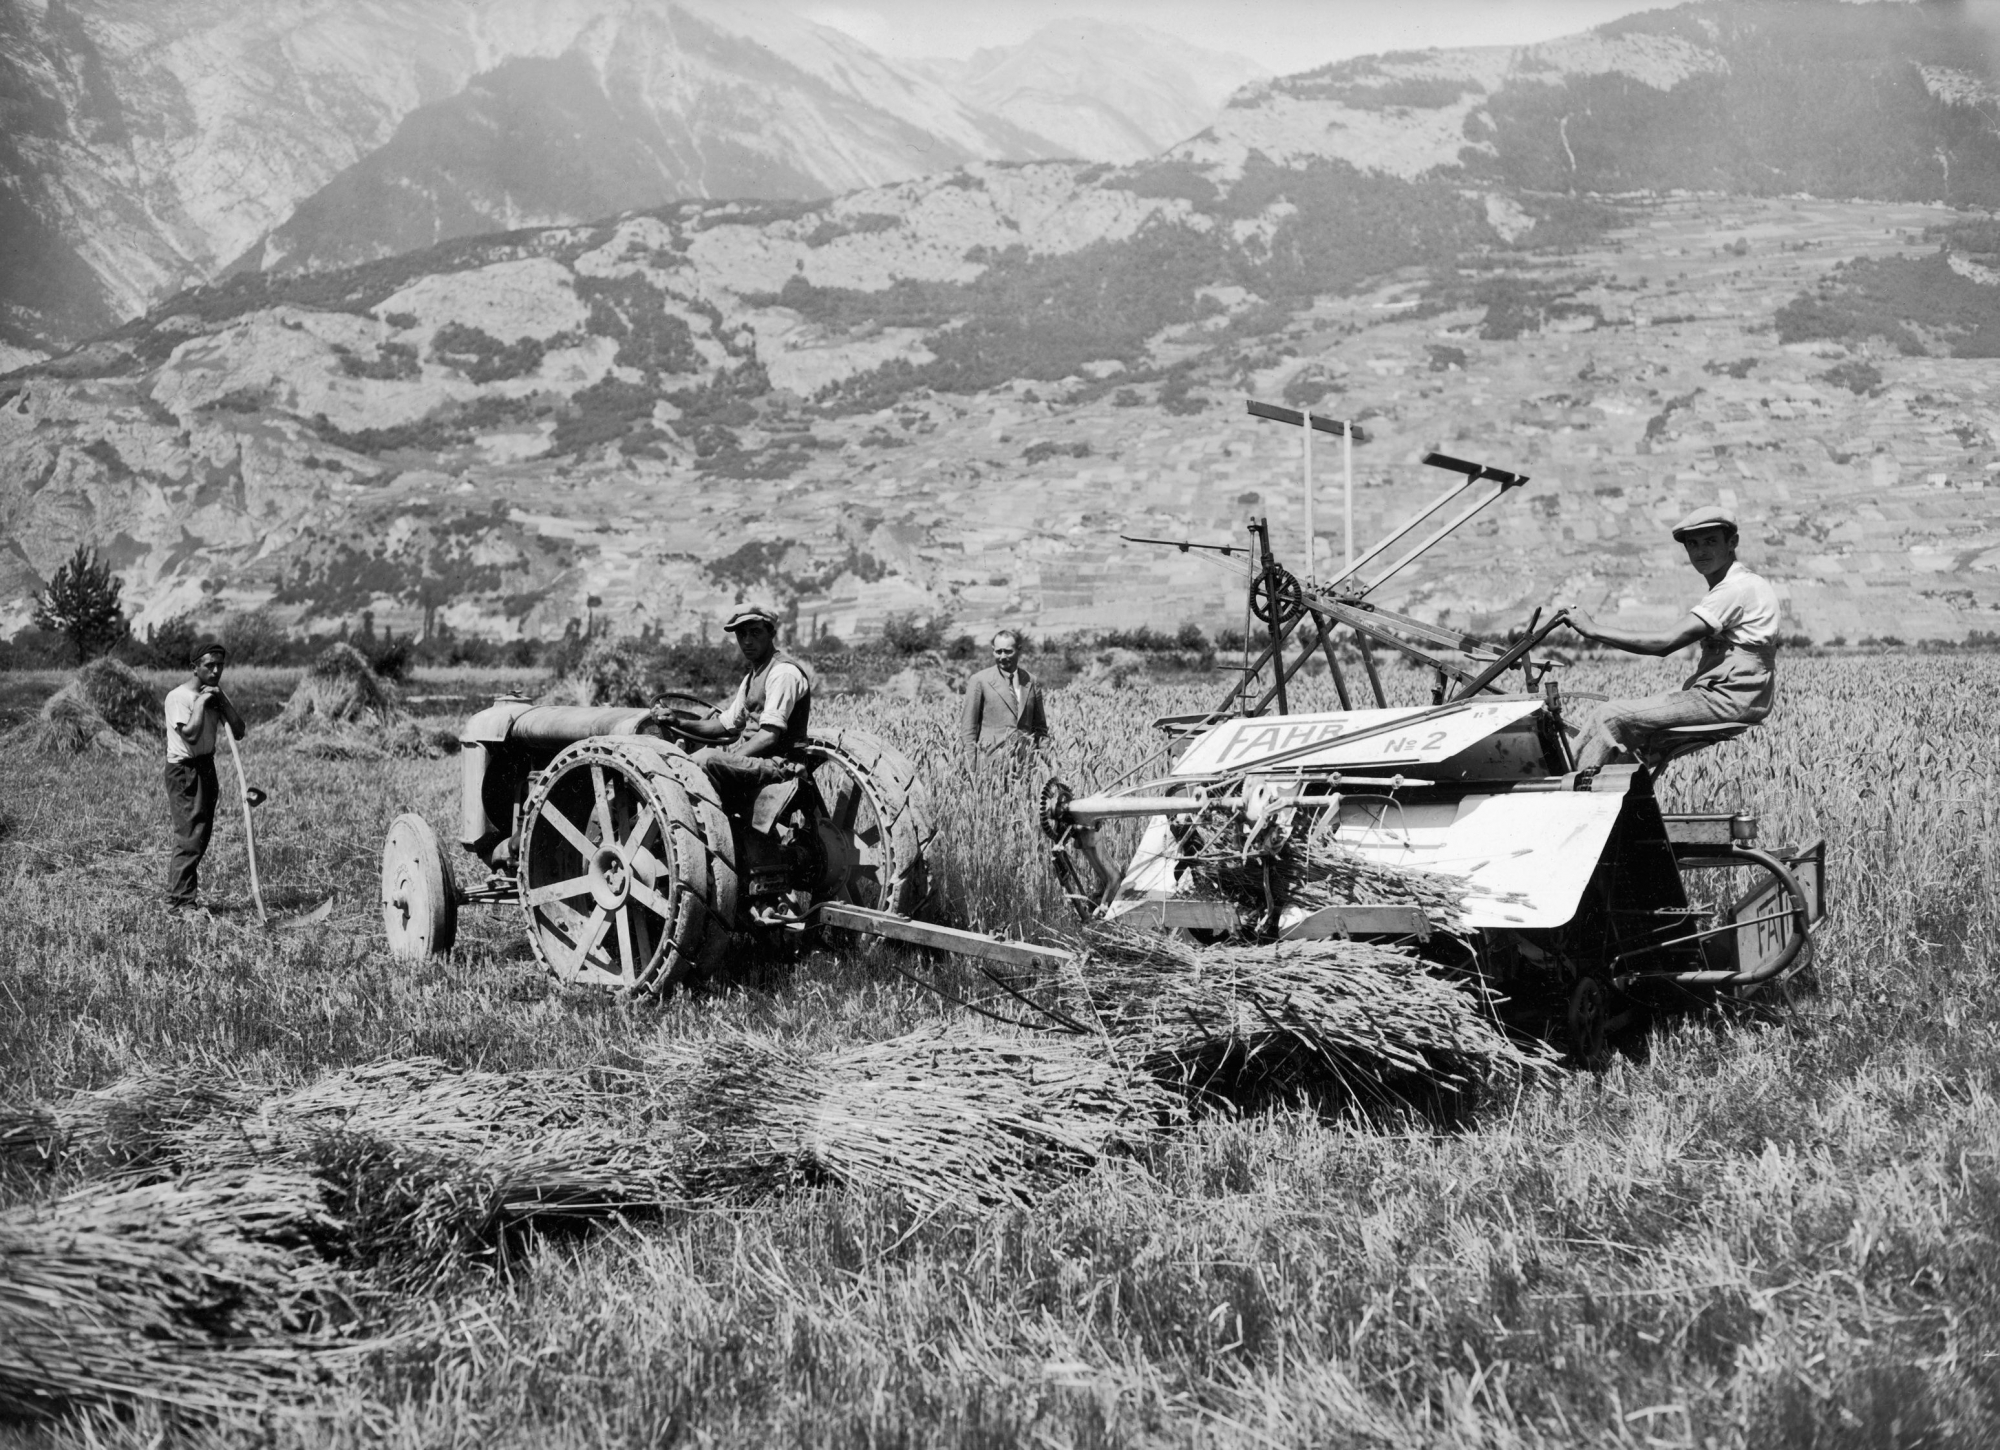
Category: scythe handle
<point>249,827</point>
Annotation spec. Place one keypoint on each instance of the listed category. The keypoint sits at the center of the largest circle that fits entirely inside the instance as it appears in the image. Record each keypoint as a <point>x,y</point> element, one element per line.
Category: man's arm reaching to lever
<point>1691,627</point>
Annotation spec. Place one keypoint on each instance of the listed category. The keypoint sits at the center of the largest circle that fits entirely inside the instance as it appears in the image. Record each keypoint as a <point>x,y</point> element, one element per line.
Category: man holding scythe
<point>193,711</point>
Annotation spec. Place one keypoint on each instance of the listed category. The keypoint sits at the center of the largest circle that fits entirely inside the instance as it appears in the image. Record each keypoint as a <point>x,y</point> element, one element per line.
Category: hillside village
<point>1862,507</point>
<point>1648,380</point>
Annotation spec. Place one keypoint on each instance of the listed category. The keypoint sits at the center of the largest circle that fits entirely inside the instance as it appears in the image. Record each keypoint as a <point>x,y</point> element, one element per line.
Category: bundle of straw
<point>1324,1023</point>
<point>135,1122</point>
<point>938,1117</point>
<point>1316,873</point>
<point>421,1163</point>
<point>197,1293</point>
<point>191,1117</point>
<point>419,1217</point>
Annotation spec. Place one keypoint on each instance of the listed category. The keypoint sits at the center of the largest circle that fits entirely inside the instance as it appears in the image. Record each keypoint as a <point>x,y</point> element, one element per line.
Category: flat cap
<point>751,614</point>
<point>1708,516</point>
<point>209,646</point>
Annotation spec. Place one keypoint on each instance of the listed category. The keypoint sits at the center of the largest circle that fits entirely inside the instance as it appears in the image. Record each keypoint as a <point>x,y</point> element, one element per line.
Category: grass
<point>1755,1231</point>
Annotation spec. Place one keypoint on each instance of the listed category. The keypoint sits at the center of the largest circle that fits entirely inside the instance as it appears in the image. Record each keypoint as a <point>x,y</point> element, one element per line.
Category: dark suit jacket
<point>988,718</point>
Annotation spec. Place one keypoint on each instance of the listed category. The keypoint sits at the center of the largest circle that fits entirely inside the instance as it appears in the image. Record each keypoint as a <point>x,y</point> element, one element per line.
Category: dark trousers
<point>738,778</point>
<point>191,796</point>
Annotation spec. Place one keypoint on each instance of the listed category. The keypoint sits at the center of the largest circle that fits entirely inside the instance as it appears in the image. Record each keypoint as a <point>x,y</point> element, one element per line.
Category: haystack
<point>620,670</point>
<point>343,710</point>
<point>339,690</point>
<point>105,708</point>
<point>126,702</point>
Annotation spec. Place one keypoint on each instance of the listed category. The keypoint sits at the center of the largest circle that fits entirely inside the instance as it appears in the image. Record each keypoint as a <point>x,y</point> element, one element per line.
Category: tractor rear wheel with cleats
<point>627,876</point>
<point>875,831</point>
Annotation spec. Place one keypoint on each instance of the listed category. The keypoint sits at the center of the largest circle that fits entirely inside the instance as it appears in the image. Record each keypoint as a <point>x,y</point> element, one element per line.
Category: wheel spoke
<point>602,788</point>
<point>637,834</point>
<point>643,893</point>
<point>847,805</point>
<point>555,917</point>
<point>646,866</point>
<point>627,959</point>
<point>588,938</point>
<point>553,815</point>
<point>558,891</point>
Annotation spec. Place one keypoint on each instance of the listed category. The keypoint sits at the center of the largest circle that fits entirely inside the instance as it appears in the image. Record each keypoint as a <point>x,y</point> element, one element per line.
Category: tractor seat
<point>1670,745</point>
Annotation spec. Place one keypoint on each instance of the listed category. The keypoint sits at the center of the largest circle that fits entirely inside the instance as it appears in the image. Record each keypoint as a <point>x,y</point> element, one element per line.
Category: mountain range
<point>950,393</point>
<point>152,144</point>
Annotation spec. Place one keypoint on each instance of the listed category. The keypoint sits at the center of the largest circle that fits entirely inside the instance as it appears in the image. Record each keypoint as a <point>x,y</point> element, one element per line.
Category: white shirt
<point>1739,659</point>
<point>181,709</point>
<point>1742,610</point>
<point>783,685</point>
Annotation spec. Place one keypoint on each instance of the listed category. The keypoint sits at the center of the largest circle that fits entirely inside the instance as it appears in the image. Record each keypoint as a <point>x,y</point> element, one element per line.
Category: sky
<point>1281,35</point>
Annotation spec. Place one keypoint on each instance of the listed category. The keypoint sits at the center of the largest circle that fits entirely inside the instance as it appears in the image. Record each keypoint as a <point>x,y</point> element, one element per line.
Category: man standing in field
<point>767,718</point>
<point>193,710</point>
<point>1737,625</point>
<point>1003,704</point>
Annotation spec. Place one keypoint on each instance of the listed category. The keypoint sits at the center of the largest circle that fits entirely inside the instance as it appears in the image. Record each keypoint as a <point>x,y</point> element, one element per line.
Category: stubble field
<point>1774,1229</point>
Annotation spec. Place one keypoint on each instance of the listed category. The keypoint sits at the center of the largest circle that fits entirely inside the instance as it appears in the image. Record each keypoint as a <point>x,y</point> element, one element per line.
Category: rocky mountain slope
<point>149,143</point>
<point>951,394</point>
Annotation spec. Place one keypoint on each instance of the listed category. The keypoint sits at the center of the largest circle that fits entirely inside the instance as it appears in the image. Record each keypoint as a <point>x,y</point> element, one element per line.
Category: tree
<point>81,604</point>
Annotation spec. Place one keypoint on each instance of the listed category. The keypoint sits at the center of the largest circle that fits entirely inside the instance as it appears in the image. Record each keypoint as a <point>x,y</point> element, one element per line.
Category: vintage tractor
<point>1576,905</point>
<point>628,871</point>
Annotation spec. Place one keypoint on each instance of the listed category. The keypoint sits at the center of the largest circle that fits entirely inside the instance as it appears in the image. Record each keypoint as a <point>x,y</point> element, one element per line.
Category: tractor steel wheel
<point>624,879</point>
<point>419,892</point>
<point>724,886</point>
<point>874,822</point>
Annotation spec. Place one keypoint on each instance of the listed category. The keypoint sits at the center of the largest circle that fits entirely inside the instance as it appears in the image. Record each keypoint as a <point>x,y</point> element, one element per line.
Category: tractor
<point>627,870</point>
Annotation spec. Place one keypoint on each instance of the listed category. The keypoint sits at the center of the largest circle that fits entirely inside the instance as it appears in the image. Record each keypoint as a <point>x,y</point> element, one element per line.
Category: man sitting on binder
<point>1736,623</point>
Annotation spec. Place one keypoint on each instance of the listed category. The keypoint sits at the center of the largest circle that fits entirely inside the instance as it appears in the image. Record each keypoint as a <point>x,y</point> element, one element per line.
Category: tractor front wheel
<point>627,877</point>
<point>419,892</point>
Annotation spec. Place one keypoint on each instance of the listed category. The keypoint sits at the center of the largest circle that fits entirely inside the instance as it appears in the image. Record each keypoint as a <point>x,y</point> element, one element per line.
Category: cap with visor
<point>1709,516</point>
<point>751,614</point>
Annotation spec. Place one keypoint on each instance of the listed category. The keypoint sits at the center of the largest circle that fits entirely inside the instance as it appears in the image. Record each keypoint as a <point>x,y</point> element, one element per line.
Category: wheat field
<point>1774,1229</point>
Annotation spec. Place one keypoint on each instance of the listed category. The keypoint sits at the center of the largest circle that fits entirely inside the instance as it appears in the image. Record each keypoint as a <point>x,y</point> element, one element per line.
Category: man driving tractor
<point>766,719</point>
<point>1737,625</point>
